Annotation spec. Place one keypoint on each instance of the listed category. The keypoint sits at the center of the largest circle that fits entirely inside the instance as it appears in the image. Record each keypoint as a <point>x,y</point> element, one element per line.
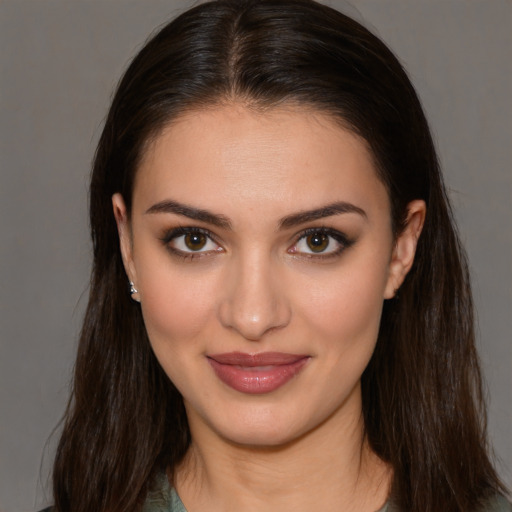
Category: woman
<point>297,330</point>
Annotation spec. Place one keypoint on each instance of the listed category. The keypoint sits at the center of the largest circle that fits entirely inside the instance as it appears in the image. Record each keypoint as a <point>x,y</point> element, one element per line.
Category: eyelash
<point>175,233</point>
<point>341,239</point>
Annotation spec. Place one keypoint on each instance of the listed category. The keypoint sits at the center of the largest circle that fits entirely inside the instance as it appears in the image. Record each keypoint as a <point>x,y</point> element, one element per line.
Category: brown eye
<point>317,242</point>
<point>191,242</point>
<point>321,243</point>
<point>195,241</point>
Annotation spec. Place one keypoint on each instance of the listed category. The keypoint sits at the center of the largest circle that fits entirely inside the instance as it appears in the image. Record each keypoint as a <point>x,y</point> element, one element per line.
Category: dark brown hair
<point>422,391</point>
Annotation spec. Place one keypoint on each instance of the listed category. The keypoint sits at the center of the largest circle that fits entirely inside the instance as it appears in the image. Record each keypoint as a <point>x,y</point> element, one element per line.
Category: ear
<point>405,247</point>
<point>125,239</point>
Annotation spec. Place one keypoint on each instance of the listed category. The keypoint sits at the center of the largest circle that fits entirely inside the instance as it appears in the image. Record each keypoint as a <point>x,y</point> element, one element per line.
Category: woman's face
<point>262,251</point>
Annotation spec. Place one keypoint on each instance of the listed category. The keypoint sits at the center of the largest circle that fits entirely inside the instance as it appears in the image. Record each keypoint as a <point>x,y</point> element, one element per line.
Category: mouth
<point>257,373</point>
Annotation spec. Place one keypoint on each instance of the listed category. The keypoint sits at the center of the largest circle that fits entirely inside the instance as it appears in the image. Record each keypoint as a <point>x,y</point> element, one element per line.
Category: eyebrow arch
<point>319,213</point>
<point>170,206</point>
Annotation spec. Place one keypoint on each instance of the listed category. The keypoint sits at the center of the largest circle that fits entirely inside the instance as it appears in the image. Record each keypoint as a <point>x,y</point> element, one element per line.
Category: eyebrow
<point>219,220</point>
<point>170,206</point>
<point>320,213</point>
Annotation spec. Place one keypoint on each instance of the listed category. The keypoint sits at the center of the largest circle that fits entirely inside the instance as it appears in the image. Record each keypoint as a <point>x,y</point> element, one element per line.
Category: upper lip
<point>261,359</point>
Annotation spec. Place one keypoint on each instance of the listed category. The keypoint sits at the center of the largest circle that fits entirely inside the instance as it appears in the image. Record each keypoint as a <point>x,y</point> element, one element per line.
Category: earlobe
<point>125,238</point>
<point>405,247</point>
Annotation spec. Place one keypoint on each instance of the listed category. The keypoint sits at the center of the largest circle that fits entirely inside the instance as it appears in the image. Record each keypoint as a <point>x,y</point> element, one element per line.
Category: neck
<point>328,468</point>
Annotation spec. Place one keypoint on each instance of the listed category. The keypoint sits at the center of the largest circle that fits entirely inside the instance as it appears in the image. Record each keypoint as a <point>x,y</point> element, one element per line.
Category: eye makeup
<point>315,243</point>
<point>320,243</point>
<point>190,243</point>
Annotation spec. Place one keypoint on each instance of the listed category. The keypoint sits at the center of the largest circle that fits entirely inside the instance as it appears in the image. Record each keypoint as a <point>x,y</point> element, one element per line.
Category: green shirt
<point>165,499</point>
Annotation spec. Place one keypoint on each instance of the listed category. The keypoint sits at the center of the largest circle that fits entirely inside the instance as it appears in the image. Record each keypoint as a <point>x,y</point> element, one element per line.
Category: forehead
<point>232,154</point>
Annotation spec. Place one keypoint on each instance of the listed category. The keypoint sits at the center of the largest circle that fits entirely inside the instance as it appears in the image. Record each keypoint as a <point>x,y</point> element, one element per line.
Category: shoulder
<point>496,504</point>
<point>158,498</point>
<point>163,498</point>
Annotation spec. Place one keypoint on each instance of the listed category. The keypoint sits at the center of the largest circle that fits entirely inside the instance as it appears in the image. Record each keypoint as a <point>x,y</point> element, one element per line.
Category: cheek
<point>177,311</point>
<point>346,308</point>
<point>176,304</point>
<point>171,317</point>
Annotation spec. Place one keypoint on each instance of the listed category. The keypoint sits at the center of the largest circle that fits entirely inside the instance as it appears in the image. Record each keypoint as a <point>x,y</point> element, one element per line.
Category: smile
<point>258,373</point>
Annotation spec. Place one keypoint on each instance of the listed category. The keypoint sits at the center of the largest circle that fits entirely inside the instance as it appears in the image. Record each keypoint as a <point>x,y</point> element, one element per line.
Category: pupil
<point>318,242</point>
<point>195,241</point>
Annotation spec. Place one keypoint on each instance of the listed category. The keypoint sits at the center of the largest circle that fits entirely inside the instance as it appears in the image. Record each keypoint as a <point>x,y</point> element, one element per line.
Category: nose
<point>253,303</point>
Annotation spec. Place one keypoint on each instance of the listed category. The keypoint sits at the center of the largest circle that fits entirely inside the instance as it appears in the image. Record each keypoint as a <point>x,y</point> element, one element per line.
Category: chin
<point>265,427</point>
<point>262,438</point>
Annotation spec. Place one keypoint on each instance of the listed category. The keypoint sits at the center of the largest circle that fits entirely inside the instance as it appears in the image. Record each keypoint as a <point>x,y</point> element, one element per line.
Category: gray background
<point>59,62</point>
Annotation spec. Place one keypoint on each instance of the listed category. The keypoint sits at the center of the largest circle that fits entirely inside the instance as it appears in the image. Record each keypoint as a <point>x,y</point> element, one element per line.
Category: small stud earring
<point>133,291</point>
<point>396,295</point>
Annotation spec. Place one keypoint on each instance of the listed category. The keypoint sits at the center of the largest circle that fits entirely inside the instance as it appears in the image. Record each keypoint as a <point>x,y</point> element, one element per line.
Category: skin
<point>259,287</point>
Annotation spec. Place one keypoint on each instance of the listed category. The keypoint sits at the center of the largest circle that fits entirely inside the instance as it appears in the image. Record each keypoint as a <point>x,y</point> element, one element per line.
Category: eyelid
<point>175,233</point>
<point>343,241</point>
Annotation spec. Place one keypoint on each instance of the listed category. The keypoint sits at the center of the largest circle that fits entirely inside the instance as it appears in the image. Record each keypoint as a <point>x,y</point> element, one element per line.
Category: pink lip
<point>257,373</point>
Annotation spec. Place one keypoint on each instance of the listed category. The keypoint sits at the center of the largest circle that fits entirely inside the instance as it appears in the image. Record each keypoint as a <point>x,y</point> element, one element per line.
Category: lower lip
<point>257,379</point>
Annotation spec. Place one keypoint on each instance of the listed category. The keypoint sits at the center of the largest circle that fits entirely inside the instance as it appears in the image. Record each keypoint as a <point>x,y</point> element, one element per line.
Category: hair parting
<point>423,404</point>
